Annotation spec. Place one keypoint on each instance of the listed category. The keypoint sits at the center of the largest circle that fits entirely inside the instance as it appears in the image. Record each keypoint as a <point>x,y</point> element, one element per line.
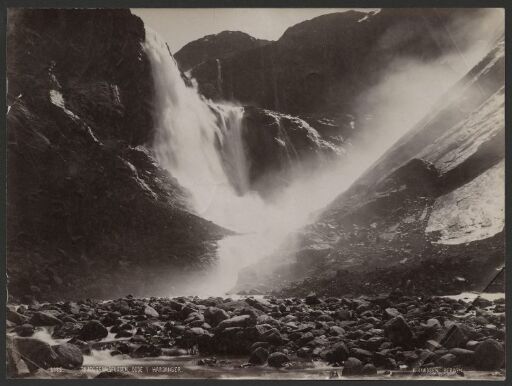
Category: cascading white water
<point>219,76</point>
<point>200,143</point>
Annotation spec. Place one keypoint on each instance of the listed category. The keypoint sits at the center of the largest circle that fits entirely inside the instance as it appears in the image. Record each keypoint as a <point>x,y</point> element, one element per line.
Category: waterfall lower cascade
<point>200,143</point>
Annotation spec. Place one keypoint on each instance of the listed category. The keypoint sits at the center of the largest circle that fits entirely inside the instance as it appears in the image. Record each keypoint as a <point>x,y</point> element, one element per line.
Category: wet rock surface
<point>427,332</point>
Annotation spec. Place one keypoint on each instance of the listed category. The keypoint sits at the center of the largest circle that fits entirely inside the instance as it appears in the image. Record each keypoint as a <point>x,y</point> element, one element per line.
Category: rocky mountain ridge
<point>213,47</point>
<point>322,65</point>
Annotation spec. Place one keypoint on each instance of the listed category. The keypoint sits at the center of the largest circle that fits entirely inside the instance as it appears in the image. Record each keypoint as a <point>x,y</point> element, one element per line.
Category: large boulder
<point>277,359</point>
<point>489,355</point>
<point>230,340</point>
<point>69,356</point>
<point>236,321</point>
<point>259,356</point>
<point>15,317</point>
<point>43,318</point>
<point>151,312</point>
<point>352,366</point>
<point>453,337</point>
<point>36,353</point>
<point>93,330</point>
<point>25,330</point>
<point>337,354</point>
<point>67,330</point>
<point>398,331</point>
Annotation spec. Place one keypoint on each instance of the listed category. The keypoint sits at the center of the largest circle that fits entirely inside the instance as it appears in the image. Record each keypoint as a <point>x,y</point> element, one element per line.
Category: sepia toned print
<point>256,193</point>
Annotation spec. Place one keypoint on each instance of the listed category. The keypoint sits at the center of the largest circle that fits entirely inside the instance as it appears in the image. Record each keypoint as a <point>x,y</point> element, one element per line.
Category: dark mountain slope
<point>89,213</point>
<point>427,216</point>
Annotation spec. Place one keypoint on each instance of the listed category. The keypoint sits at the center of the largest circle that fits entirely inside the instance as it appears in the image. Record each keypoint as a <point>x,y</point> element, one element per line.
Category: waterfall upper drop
<point>197,141</point>
<point>219,76</point>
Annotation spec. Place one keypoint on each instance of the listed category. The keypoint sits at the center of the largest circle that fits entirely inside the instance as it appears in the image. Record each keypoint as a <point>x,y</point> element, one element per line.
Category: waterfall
<point>219,76</point>
<point>197,141</point>
<point>201,144</point>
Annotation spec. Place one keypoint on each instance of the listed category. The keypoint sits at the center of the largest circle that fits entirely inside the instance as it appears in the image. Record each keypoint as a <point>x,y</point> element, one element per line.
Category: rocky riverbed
<point>259,337</point>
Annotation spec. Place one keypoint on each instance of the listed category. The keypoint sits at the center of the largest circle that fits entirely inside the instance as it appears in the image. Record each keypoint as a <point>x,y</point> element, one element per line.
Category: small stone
<point>336,330</point>
<point>114,374</point>
<point>433,323</point>
<point>472,345</point>
<point>305,338</point>
<point>481,302</point>
<point>174,352</point>
<point>123,334</point>
<point>151,312</point>
<point>147,350</point>
<point>360,353</point>
<point>44,319</point>
<point>343,314</point>
<point>447,360</point>
<point>312,299</point>
<point>237,321</point>
<point>433,345</point>
<point>392,313</point>
<point>255,345</point>
<point>454,337</point>
<point>464,356</point>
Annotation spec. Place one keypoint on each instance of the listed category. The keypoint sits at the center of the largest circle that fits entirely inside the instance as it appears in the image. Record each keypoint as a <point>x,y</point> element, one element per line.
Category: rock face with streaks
<point>277,144</point>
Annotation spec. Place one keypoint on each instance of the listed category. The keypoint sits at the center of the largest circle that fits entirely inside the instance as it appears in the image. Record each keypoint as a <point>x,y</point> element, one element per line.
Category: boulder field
<point>365,336</point>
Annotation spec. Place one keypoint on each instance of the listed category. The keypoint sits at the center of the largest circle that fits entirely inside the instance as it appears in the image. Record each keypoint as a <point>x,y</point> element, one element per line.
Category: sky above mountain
<point>179,26</point>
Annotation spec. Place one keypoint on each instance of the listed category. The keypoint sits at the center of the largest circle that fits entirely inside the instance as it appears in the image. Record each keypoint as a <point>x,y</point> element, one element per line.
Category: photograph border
<point>260,4</point>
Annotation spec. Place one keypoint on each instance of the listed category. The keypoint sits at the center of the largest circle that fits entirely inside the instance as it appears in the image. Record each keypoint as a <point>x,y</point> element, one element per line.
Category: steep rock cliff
<point>89,212</point>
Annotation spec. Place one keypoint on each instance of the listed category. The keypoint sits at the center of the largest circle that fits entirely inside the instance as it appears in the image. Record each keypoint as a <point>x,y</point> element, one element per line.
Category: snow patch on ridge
<point>472,212</point>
